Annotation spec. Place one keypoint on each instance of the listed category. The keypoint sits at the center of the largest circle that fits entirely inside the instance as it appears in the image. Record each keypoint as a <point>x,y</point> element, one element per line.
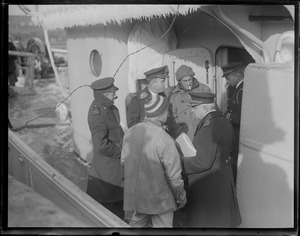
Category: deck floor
<point>27,208</point>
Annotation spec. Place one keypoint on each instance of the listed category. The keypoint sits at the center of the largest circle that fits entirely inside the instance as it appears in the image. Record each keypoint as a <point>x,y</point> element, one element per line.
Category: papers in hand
<point>186,145</point>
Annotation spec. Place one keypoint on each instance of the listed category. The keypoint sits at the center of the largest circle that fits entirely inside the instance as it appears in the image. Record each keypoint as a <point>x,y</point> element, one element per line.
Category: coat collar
<point>239,83</point>
<point>154,122</point>
<point>208,117</point>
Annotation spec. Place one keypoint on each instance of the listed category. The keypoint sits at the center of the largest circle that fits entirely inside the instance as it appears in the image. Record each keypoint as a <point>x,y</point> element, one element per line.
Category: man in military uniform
<point>234,74</point>
<point>155,85</point>
<point>211,198</point>
<point>106,176</point>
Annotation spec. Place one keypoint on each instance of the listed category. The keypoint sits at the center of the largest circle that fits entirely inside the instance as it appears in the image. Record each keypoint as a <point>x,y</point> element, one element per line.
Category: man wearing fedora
<point>155,85</point>
<point>153,186</point>
<point>105,183</point>
<point>211,197</point>
<point>234,75</point>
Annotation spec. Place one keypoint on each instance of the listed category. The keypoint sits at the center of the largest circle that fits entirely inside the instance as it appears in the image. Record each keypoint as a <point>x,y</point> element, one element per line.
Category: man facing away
<point>153,187</point>
<point>212,201</point>
<point>105,183</point>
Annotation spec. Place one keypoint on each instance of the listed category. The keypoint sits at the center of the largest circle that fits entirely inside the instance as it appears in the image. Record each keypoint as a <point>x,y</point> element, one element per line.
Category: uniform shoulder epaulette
<point>96,110</point>
<point>206,123</point>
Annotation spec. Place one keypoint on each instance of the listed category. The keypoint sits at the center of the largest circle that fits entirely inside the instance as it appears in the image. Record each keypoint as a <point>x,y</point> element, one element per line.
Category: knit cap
<point>184,70</point>
<point>156,106</point>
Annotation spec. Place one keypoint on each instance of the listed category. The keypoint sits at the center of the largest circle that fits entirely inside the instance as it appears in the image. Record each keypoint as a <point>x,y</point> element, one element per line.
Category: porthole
<point>95,63</point>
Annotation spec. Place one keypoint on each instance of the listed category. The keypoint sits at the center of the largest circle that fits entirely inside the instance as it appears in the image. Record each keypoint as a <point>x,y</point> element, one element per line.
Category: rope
<point>46,113</point>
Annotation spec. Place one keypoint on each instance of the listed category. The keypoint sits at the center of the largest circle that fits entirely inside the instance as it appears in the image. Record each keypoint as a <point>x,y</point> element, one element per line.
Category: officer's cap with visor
<point>201,98</point>
<point>231,67</point>
<point>160,72</point>
<point>104,85</point>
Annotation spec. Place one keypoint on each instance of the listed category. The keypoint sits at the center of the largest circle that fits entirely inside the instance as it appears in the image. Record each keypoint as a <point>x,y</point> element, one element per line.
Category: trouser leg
<point>139,220</point>
<point>163,220</point>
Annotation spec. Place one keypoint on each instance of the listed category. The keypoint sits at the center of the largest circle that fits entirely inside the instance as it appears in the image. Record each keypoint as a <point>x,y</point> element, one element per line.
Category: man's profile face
<point>110,95</point>
<point>159,84</point>
<point>233,78</point>
<point>198,112</point>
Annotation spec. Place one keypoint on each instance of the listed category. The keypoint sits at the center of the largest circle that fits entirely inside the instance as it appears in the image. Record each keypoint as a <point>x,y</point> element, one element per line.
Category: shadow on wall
<point>265,175</point>
<point>265,199</point>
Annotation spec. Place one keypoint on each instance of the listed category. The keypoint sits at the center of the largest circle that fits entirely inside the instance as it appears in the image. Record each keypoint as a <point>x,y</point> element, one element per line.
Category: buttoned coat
<point>211,200</point>
<point>152,167</point>
<point>107,137</point>
<point>179,105</point>
<point>234,115</point>
<point>235,105</point>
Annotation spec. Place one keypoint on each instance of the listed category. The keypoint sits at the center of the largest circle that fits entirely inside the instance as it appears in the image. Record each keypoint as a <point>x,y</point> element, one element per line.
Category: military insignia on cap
<point>161,72</point>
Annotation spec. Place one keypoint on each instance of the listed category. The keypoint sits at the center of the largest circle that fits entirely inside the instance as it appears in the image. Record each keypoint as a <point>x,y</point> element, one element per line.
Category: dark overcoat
<point>234,115</point>
<point>235,105</point>
<point>211,199</point>
<point>107,137</point>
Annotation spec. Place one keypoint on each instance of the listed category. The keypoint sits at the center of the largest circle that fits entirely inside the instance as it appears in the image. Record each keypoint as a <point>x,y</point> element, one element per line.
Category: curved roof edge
<point>52,17</point>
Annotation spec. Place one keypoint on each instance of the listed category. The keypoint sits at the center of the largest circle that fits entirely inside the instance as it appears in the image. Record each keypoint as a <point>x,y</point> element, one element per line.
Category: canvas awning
<point>52,17</point>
